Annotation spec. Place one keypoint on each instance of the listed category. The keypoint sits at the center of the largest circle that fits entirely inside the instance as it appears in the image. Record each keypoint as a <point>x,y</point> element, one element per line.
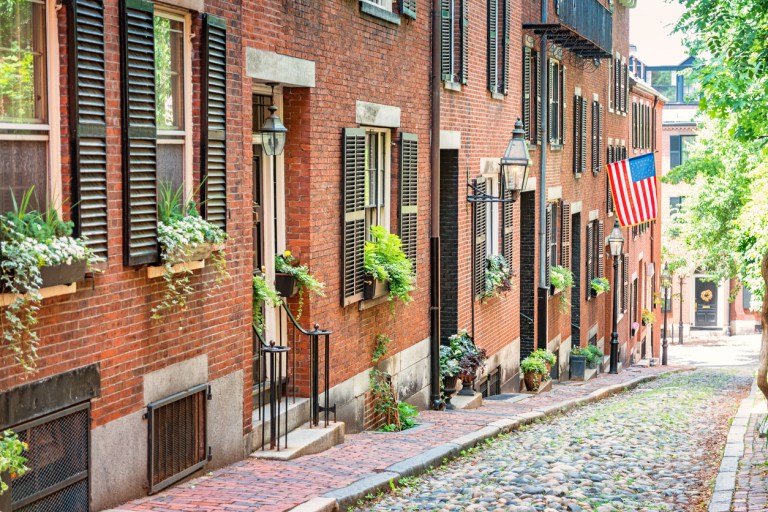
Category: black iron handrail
<point>526,317</point>
<point>275,354</point>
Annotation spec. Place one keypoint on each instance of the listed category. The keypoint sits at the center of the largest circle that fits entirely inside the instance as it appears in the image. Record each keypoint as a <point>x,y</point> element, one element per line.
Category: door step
<point>305,441</point>
<point>298,414</point>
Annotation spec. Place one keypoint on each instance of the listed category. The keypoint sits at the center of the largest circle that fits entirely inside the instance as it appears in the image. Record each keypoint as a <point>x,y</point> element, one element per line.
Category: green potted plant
<point>449,374</point>
<point>263,295</point>
<point>561,279</point>
<point>11,459</point>
<point>460,358</point>
<point>545,355</point>
<point>498,277</point>
<point>37,250</point>
<point>292,278</point>
<point>599,285</point>
<point>595,356</point>
<point>184,237</point>
<point>384,261</point>
<point>648,317</point>
<point>534,371</point>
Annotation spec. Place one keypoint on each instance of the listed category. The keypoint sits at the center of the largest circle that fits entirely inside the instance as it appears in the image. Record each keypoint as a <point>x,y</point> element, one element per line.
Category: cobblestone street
<point>653,448</point>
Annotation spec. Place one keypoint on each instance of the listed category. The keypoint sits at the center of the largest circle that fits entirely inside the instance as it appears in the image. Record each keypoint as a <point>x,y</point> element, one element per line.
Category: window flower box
<point>374,288</point>
<point>56,275</point>
<point>286,284</point>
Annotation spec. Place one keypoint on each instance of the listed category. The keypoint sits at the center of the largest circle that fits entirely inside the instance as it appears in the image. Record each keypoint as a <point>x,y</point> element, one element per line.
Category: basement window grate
<point>57,458</point>
<point>178,443</point>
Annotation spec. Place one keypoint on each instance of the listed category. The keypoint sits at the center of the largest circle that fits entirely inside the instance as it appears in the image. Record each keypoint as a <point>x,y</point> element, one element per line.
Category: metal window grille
<point>58,461</point>
<point>178,443</point>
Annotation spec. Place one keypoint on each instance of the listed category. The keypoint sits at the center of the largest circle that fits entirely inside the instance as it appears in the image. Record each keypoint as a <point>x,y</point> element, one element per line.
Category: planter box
<point>286,285</point>
<point>578,367</point>
<point>373,288</point>
<point>57,275</point>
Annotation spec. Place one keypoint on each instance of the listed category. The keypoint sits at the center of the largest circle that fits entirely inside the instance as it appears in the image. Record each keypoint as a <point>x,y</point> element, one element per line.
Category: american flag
<point>633,185</point>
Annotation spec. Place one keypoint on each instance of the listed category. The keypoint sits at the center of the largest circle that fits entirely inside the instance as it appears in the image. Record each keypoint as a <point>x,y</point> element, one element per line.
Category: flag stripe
<point>626,192</point>
<point>634,189</point>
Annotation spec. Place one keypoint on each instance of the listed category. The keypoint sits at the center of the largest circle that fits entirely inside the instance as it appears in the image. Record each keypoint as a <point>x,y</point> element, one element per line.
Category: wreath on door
<point>706,295</point>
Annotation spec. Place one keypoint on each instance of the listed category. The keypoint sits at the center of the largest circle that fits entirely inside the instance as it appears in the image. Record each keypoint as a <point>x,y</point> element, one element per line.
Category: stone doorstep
<point>589,373</point>
<point>305,441</point>
<point>473,401</point>
<point>298,415</point>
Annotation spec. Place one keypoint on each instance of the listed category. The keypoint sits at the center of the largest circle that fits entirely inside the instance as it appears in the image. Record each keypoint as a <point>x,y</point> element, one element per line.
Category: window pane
<point>169,69</point>
<point>25,164</point>
<point>22,62</point>
<point>170,165</point>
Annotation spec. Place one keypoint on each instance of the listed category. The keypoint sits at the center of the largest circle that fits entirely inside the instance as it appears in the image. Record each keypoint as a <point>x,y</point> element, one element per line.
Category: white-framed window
<point>29,103</point>
<point>377,178</point>
<point>492,217</point>
<point>173,101</point>
<point>384,4</point>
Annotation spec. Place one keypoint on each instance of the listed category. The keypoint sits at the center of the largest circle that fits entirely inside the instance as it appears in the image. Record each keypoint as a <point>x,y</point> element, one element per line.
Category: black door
<point>706,303</point>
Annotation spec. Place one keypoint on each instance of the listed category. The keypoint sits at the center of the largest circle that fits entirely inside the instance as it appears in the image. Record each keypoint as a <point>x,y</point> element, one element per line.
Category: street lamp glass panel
<point>616,240</point>
<point>515,162</point>
<point>666,277</point>
<point>273,134</point>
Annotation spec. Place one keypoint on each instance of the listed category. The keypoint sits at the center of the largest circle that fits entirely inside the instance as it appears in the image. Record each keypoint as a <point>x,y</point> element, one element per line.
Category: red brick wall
<point>110,324</point>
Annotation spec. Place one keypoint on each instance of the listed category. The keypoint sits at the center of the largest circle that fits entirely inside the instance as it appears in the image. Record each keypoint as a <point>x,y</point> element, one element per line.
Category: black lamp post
<point>680,325</point>
<point>666,287</point>
<point>616,243</point>
<point>273,142</point>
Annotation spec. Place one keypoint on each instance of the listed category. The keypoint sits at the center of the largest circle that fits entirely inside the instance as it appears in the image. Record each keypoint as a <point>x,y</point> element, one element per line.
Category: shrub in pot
<point>384,260</point>
<point>534,371</point>
<point>292,278</point>
<point>460,358</point>
<point>545,355</point>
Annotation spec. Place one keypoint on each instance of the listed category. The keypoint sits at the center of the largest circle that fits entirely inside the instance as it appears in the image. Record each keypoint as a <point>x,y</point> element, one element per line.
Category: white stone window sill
<point>452,86</point>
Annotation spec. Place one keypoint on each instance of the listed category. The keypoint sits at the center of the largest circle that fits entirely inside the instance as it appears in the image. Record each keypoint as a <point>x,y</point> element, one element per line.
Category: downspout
<point>435,401</point>
<point>543,289</point>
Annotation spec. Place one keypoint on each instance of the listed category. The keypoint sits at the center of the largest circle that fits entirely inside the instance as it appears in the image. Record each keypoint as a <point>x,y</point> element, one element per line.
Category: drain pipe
<point>543,289</point>
<point>435,401</point>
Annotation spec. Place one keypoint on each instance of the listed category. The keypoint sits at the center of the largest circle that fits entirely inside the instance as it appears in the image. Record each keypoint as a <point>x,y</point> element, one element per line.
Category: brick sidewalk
<point>262,485</point>
<point>751,492</point>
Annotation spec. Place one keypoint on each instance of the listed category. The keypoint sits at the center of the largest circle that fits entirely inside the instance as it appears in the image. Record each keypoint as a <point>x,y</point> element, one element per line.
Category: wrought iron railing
<point>588,18</point>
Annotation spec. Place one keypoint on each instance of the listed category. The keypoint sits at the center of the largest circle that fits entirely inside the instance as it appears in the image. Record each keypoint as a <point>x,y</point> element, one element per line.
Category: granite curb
<point>434,457</point>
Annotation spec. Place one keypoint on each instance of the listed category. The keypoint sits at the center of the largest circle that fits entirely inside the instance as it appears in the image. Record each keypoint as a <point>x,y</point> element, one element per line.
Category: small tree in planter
<point>534,372</point>
<point>561,279</point>
<point>498,277</point>
<point>184,236</point>
<point>599,285</point>
<point>385,261</point>
<point>298,278</point>
<point>263,294</point>
<point>36,250</point>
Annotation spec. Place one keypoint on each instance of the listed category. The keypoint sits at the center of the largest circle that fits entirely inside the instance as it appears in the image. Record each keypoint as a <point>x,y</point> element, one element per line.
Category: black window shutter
<point>409,185</point>
<point>590,255</point>
<point>600,161</point>
<point>653,129</point>
<point>88,121</point>
<point>493,45</point>
<point>548,248</point>
<point>577,134</point>
<point>583,150</point>
<point>562,105</point>
<point>527,92</point>
<point>634,125</point>
<point>536,118</point>
<point>214,124</point>
<point>609,196</point>
<point>446,31</point>
<point>616,74</point>
<point>625,281</point>
<point>481,227</point>
<point>139,134</point>
<point>600,249</point>
<point>625,89</point>
<point>505,47</point>
<point>594,137</point>
<point>408,8</point>
<point>550,97</point>
<point>623,152</point>
<point>464,41</point>
<point>565,236</point>
<point>507,228</point>
<point>353,234</point>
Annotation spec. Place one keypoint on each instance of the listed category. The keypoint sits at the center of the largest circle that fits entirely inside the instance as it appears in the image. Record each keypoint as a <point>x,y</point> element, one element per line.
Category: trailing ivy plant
<point>385,260</point>
<point>498,277</point>
<point>264,294</point>
<point>182,233</point>
<point>287,264</point>
<point>562,279</point>
<point>397,415</point>
<point>600,285</point>
<point>11,459</point>
<point>29,240</point>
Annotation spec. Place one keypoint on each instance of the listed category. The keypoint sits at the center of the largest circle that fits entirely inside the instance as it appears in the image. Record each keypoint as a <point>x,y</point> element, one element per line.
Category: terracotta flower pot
<point>532,381</point>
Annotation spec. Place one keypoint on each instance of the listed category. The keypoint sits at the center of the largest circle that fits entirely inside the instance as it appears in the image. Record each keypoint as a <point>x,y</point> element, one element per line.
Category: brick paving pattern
<point>752,477</point>
<point>272,486</point>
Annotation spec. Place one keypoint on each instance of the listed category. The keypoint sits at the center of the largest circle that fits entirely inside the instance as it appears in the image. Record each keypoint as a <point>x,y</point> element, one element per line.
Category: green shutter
<point>214,120</point>
<point>409,187</point>
<point>527,86</point>
<point>577,134</point>
<point>353,232</point>
<point>139,134</point>
<point>88,121</point>
<point>590,267</point>
<point>464,41</point>
<point>595,156</point>
<point>493,45</point>
<point>548,248</point>
<point>507,228</point>
<point>565,236</point>
<point>625,281</point>
<point>537,131</point>
<point>408,8</point>
<point>505,48</point>
<point>600,249</point>
<point>600,161</point>
<point>551,114</point>
<point>479,257</point>
<point>562,106</point>
<point>446,39</point>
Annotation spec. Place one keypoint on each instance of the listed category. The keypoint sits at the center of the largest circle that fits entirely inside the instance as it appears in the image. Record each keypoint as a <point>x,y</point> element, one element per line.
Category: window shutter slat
<point>625,280</point>
<point>550,89</point>
<point>590,254</point>
<point>505,48</point>
<point>583,150</point>
<point>408,8</point>
<point>577,134</point>
<point>88,123</point>
<point>609,195</point>
<point>507,229</point>
<point>537,130</point>
<point>563,108</point>
<point>353,195</point>
<point>409,185</point>
<point>594,137</point>
<point>548,248</point>
<point>214,132</point>
<point>139,134</point>
<point>600,162</point>
<point>464,41</point>
<point>446,32</point>
<point>480,240</point>
<point>527,92</point>
<point>600,253</point>
<point>493,45</point>
<point>565,230</point>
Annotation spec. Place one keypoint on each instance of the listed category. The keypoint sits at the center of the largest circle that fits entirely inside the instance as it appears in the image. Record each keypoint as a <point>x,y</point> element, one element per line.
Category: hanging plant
<point>286,264</point>
<point>498,277</point>
<point>264,294</point>
<point>384,260</point>
<point>648,317</point>
<point>599,285</point>
<point>31,244</point>
<point>184,236</point>
<point>561,279</point>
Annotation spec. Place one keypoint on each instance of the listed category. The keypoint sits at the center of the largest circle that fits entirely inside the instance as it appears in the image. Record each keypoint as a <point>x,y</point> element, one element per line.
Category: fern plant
<point>385,260</point>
